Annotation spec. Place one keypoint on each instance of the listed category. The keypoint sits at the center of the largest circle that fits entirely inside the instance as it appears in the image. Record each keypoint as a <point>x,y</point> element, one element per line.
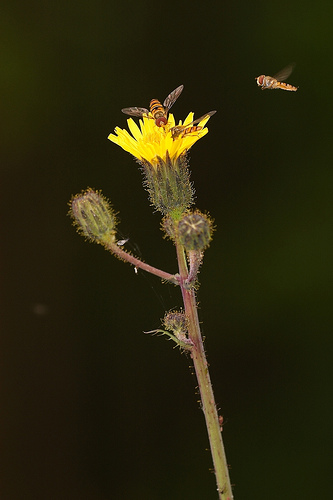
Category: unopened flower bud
<point>93,216</point>
<point>176,322</point>
<point>194,231</point>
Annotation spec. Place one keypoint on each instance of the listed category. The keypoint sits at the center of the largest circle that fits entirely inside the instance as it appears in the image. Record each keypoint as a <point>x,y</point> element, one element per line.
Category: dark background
<point>91,408</point>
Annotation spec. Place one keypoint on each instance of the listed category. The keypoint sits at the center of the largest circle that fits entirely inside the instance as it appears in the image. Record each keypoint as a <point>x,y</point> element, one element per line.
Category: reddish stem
<point>114,248</point>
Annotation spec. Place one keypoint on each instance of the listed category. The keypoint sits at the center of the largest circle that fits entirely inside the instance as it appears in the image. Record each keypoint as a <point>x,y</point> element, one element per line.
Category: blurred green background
<point>91,407</point>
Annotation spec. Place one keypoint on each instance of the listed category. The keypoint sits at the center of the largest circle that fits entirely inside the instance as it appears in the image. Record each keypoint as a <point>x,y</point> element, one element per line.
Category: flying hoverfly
<point>182,130</point>
<point>159,112</point>
<point>276,81</point>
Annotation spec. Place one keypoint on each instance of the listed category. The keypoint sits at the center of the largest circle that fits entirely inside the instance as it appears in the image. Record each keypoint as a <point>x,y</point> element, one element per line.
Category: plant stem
<point>114,248</point>
<point>204,383</point>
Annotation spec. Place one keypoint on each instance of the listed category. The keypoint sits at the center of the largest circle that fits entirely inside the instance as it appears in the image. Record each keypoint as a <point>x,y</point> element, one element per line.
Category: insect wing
<point>135,111</point>
<point>198,120</point>
<point>207,115</point>
<point>178,129</point>
<point>172,97</point>
<point>284,73</point>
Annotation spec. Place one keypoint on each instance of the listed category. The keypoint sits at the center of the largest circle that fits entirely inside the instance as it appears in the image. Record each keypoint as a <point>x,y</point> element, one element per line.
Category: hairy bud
<point>93,216</point>
<point>176,322</point>
<point>194,231</point>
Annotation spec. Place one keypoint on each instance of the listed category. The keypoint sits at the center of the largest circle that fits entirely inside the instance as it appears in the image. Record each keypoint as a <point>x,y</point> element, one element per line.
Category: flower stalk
<point>204,383</point>
<point>139,264</point>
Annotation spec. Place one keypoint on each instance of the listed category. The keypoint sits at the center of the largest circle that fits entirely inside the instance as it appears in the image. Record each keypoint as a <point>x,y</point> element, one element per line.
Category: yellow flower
<point>161,152</point>
<point>152,144</point>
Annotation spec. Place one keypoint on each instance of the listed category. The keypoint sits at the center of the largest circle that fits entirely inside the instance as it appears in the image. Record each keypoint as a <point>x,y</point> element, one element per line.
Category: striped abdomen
<point>158,112</point>
<point>269,82</point>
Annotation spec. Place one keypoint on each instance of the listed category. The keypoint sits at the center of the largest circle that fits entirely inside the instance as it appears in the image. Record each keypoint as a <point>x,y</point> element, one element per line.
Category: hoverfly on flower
<point>182,130</point>
<point>158,111</point>
<point>276,81</point>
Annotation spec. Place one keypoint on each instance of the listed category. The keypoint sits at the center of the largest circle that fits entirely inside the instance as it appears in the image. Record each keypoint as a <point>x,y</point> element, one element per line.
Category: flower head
<point>161,151</point>
<point>149,143</point>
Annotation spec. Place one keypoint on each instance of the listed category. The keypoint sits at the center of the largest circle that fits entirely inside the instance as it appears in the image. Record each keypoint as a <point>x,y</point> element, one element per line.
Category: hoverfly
<point>182,130</point>
<point>159,112</point>
<point>276,82</point>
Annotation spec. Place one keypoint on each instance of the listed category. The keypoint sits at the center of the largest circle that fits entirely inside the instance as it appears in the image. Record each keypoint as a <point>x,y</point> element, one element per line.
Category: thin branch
<point>114,248</point>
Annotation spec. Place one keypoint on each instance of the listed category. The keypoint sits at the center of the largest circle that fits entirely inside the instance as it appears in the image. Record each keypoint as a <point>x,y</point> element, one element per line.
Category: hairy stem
<point>204,383</point>
<point>114,248</point>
